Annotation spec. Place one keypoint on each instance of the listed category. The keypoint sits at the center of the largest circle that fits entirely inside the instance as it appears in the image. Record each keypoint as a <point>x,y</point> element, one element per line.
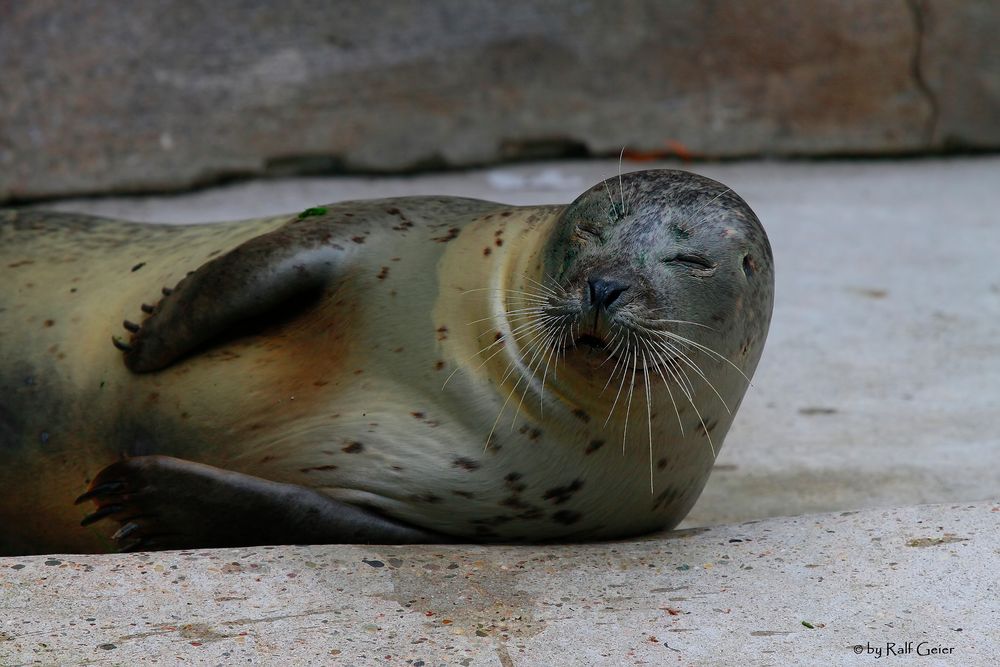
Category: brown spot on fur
<point>486,251</point>
<point>515,502</point>
<point>593,446</point>
<point>439,365</point>
<point>566,517</point>
<point>466,464</point>
<point>666,496</point>
<point>505,214</point>
<point>49,323</point>
<point>531,432</point>
<point>581,415</point>
<point>23,262</point>
<point>393,211</point>
<point>394,259</point>
<point>321,383</point>
<point>561,494</point>
<point>498,336</point>
<point>418,415</point>
<point>318,468</point>
<point>352,448</point>
<point>359,371</point>
<point>358,239</point>
<point>384,273</point>
<point>512,482</point>
<point>138,266</point>
<point>661,464</point>
<point>399,349</point>
<point>442,333</point>
<point>705,429</point>
<point>452,234</point>
<point>499,242</point>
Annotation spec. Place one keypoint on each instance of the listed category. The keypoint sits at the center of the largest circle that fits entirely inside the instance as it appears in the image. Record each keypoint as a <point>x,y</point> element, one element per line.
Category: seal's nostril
<point>603,292</point>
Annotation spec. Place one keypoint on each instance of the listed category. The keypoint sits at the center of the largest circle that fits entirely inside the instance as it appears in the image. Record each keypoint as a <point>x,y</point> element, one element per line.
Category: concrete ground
<point>912,586</point>
<point>879,388</point>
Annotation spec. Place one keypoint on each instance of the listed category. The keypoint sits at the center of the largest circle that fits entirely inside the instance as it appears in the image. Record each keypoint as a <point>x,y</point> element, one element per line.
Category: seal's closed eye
<point>693,259</point>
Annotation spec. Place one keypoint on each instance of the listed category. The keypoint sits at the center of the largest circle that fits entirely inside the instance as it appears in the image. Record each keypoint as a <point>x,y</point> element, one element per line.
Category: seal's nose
<point>603,292</point>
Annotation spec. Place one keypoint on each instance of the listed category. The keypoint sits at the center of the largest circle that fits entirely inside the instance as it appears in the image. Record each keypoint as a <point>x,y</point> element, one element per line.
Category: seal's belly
<point>423,459</point>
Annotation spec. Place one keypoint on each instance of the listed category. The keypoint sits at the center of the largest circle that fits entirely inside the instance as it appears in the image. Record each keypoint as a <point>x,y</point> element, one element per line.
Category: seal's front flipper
<point>251,280</point>
<point>167,503</point>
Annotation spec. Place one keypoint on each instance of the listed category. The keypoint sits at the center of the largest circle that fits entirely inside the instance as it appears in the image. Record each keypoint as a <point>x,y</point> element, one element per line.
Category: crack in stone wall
<point>917,10</point>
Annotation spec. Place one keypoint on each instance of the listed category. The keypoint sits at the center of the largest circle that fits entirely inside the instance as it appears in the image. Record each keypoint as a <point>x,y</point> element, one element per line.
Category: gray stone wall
<point>102,96</point>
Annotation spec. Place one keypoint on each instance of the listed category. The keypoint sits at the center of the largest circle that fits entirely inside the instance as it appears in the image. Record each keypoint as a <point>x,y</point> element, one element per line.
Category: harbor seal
<point>420,369</point>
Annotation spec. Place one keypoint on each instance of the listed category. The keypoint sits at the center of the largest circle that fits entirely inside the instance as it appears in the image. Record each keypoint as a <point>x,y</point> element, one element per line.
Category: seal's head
<point>662,271</point>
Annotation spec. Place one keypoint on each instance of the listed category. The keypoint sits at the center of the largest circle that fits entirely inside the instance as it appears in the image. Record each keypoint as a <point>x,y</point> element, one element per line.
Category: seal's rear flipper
<point>252,280</point>
<point>167,503</point>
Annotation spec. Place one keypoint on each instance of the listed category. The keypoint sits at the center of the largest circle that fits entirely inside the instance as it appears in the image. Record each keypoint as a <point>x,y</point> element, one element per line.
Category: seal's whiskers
<point>545,349</point>
<point>520,330</point>
<point>666,384</point>
<point>673,368</point>
<point>614,207</point>
<point>510,368</point>
<point>711,201</point>
<point>621,188</point>
<point>707,350</point>
<point>649,420</point>
<point>620,386</point>
<point>628,406</point>
<point>679,354</point>
<point>529,312</point>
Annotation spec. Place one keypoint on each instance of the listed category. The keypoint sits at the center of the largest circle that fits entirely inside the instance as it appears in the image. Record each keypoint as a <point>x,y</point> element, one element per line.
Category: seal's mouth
<point>591,341</point>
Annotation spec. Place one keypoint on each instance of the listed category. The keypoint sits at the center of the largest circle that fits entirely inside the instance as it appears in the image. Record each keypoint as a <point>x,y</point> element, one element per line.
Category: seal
<point>421,369</point>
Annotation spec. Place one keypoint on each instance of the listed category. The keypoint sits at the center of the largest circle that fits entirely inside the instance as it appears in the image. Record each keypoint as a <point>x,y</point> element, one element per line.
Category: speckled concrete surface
<point>923,578</point>
<point>880,380</point>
